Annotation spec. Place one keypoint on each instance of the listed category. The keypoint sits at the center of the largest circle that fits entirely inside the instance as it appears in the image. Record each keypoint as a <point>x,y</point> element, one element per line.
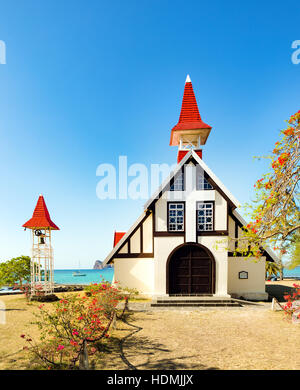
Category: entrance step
<point>196,304</point>
<point>189,301</point>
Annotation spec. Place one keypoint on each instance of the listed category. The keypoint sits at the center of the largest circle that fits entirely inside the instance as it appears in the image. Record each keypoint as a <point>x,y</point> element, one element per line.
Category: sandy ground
<point>246,338</point>
<point>249,337</point>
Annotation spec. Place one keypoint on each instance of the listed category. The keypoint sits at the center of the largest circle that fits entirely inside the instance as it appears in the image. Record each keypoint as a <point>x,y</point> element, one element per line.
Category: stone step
<point>193,301</point>
<point>195,304</point>
<point>190,295</point>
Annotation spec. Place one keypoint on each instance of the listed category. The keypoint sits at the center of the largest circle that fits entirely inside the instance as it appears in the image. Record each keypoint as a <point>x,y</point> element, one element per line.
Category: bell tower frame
<point>42,260</point>
<point>41,265</point>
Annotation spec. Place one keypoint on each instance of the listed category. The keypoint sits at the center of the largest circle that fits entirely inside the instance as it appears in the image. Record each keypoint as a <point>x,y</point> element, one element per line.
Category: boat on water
<point>78,273</point>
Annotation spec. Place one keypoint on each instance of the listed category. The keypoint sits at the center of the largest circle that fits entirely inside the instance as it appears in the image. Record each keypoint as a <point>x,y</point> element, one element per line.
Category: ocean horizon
<point>65,276</point>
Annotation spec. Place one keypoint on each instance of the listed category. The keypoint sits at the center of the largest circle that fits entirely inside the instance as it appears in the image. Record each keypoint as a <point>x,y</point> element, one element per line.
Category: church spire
<point>190,130</point>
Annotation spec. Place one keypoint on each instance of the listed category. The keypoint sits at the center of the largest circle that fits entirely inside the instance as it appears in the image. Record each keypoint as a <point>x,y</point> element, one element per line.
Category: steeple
<point>190,131</point>
<point>41,217</point>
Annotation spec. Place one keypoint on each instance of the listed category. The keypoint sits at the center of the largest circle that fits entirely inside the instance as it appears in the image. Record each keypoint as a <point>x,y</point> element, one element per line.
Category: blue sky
<point>87,81</point>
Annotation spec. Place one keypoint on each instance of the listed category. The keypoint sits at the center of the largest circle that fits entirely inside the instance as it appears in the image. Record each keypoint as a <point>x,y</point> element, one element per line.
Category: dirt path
<point>222,339</point>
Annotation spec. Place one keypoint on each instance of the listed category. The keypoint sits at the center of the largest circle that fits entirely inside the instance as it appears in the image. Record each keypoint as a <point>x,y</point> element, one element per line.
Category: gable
<point>191,156</point>
<point>137,242</point>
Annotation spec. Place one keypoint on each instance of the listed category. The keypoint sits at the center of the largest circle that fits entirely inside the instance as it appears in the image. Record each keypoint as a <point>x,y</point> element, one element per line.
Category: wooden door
<point>191,271</point>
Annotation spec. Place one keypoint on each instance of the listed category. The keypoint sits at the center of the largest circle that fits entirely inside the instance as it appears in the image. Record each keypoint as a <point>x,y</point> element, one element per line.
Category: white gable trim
<point>124,238</point>
<point>267,249</point>
<point>204,167</point>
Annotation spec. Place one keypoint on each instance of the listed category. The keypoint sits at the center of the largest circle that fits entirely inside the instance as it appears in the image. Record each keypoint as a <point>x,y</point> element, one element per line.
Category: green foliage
<point>295,253</point>
<point>15,271</point>
<point>272,268</point>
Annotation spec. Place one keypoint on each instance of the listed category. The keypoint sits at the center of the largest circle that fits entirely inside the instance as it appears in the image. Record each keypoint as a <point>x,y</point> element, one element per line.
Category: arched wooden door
<point>191,270</point>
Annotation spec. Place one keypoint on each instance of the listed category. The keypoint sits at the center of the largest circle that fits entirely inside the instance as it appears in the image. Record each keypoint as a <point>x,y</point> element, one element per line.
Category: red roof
<point>190,118</point>
<point>182,153</point>
<point>40,218</point>
<point>117,237</point>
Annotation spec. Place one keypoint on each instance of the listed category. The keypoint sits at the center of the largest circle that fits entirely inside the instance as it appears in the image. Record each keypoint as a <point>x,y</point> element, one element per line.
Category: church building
<point>184,240</point>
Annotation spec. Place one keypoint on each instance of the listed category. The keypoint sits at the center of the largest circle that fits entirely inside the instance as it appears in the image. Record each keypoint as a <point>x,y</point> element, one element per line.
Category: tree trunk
<point>84,358</point>
<point>114,321</point>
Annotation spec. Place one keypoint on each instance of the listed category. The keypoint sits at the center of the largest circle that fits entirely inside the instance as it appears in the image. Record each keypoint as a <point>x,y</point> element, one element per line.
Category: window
<point>205,216</point>
<point>176,217</point>
<point>202,183</point>
<point>178,184</point>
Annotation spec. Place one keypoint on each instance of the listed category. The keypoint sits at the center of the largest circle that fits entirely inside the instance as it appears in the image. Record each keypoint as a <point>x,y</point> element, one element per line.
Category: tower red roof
<point>117,237</point>
<point>41,217</point>
<point>190,118</point>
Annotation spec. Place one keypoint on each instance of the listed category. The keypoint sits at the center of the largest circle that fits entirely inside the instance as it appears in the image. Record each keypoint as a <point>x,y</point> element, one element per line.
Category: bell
<point>41,240</point>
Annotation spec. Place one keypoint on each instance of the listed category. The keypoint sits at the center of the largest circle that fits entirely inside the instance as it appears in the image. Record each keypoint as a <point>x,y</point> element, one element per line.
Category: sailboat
<point>78,273</point>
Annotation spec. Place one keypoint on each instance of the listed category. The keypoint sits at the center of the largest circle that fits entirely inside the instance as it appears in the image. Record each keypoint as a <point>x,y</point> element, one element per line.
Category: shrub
<point>74,324</point>
<point>292,308</point>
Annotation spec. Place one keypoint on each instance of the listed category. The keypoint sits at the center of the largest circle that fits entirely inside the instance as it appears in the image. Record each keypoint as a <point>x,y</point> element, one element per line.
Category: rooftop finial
<point>188,80</point>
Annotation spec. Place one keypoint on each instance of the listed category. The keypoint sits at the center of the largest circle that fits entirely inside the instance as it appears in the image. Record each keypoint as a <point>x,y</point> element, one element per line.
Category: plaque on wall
<point>243,275</point>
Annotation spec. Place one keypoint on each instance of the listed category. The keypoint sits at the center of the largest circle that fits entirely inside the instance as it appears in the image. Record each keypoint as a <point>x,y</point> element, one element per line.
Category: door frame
<point>210,255</point>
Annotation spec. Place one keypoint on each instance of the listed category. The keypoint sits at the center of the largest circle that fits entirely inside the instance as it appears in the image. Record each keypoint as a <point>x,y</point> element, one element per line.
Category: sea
<point>65,276</point>
<point>291,273</point>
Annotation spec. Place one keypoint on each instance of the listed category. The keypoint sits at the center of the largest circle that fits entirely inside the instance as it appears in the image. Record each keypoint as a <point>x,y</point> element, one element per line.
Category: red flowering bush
<point>71,326</point>
<point>292,306</point>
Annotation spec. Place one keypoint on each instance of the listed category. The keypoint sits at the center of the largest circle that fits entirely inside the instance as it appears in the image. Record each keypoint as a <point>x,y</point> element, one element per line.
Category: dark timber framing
<point>140,254</point>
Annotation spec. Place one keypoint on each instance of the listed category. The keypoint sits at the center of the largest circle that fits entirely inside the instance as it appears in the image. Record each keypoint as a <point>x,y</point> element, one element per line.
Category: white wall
<point>218,247</point>
<point>254,286</point>
<point>147,235</point>
<point>231,234</point>
<point>124,249</point>
<point>135,273</point>
<point>220,212</point>
<point>135,242</point>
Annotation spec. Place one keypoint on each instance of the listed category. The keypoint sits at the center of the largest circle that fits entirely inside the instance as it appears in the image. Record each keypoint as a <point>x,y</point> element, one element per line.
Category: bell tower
<point>41,265</point>
<point>190,132</point>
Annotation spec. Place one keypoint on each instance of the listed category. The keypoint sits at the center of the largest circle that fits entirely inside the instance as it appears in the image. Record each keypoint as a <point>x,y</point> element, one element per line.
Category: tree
<point>294,252</point>
<point>15,271</point>
<point>275,212</point>
<point>271,268</point>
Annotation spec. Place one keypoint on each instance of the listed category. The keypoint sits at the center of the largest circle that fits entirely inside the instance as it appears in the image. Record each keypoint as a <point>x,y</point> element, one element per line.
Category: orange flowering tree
<point>275,212</point>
